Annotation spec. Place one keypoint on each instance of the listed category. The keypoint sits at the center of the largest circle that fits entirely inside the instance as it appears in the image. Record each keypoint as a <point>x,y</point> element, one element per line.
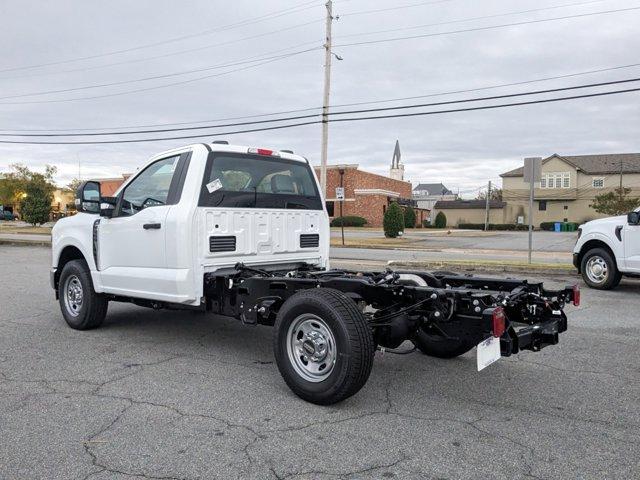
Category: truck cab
<point>608,249</point>
<point>192,211</point>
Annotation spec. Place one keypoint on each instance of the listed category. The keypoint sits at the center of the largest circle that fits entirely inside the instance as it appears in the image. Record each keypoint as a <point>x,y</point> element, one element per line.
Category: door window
<point>150,188</point>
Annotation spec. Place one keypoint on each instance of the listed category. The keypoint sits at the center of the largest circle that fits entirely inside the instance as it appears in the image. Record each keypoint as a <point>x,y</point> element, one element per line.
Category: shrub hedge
<point>493,226</point>
<point>349,221</point>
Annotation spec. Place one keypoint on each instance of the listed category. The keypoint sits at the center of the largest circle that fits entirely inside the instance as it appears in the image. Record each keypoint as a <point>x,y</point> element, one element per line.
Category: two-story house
<point>427,194</point>
<point>568,186</point>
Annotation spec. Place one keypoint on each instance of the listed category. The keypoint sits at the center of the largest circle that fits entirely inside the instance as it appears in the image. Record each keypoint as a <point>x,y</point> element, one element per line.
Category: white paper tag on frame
<point>215,185</point>
<point>488,351</point>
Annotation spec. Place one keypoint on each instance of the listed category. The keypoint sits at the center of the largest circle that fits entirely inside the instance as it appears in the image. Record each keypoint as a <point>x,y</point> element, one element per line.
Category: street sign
<point>532,169</point>
<point>340,193</point>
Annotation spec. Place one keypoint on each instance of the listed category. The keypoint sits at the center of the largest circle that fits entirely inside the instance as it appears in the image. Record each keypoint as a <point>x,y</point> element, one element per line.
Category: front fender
<point>76,231</point>
<point>614,245</point>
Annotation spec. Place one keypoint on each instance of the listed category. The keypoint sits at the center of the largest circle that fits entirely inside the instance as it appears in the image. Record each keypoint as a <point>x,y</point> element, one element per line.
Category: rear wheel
<point>599,269</point>
<point>82,308</point>
<point>323,346</point>
<point>439,346</point>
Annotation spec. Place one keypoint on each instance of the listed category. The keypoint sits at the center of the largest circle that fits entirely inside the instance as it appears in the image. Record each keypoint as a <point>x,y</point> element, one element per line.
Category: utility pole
<point>325,100</point>
<point>486,208</point>
<point>620,191</point>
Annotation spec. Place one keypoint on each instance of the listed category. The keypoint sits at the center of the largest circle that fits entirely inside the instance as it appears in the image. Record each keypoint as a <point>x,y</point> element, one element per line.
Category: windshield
<point>253,181</point>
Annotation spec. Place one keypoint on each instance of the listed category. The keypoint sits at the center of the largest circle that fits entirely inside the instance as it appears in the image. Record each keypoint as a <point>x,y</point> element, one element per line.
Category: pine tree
<point>393,221</point>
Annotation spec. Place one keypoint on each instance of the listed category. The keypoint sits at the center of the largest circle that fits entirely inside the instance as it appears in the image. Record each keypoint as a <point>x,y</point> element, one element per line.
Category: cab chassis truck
<point>244,232</point>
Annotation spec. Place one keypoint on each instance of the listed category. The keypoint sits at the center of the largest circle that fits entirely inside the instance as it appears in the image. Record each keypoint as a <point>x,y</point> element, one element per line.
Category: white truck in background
<point>608,249</point>
<point>243,232</point>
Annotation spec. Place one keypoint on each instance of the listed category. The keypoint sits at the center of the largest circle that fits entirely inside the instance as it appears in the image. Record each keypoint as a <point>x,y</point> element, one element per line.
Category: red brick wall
<point>357,179</point>
<point>366,206</point>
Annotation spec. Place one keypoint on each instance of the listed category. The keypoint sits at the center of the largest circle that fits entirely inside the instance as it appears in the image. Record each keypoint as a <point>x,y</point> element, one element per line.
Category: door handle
<point>151,226</point>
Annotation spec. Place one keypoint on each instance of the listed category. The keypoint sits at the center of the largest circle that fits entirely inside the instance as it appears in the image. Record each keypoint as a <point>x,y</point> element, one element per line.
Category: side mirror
<point>108,206</point>
<point>633,218</point>
<point>88,197</point>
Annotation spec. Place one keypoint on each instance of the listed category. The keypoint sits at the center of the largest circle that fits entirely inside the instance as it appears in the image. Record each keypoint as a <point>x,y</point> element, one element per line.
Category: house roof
<point>593,164</point>
<point>434,188</point>
<point>473,204</point>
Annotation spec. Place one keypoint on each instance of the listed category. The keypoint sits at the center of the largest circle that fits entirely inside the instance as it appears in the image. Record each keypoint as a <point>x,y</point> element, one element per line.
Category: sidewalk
<point>25,239</point>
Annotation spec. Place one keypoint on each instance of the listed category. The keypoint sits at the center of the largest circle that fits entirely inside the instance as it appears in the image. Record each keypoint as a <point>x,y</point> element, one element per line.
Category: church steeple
<point>397,168</point>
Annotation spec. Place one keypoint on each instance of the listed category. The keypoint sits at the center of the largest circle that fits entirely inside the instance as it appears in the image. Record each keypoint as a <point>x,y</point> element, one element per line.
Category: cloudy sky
<point>159,38</point>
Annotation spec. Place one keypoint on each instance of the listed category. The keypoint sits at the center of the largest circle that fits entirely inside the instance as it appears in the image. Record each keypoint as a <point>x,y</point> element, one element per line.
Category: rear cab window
<point>238,180</point>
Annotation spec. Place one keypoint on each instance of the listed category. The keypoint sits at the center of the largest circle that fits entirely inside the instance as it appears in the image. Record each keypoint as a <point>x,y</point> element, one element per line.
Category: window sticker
<point>214,185</point>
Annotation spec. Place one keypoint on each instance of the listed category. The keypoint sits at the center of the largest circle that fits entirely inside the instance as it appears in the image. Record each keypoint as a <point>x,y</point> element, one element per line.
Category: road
<point>468,239</point>
<point>181,395</point>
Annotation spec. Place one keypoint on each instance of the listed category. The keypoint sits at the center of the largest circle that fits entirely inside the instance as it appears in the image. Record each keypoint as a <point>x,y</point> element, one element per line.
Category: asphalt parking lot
<point>173,395</point>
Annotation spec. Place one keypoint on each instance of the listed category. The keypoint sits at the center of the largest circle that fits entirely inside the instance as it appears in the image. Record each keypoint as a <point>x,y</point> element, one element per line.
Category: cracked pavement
<point>182,395</point>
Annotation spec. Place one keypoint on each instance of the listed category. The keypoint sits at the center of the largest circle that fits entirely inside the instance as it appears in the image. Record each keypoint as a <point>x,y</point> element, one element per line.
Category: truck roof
<point>222,147</point>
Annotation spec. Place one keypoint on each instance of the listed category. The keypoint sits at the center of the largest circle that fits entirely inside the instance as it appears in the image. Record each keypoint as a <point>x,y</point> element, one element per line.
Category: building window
<point>330,208</point>
<point>556,180</point>
<point>566,207</point>
<point>598,182</point>
<point>542,205</point>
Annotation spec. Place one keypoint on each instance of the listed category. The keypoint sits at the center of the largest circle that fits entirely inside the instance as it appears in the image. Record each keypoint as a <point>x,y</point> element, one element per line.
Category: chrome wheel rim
<point>73,295</point>
<point>597,269</point>
<point>311,347</point>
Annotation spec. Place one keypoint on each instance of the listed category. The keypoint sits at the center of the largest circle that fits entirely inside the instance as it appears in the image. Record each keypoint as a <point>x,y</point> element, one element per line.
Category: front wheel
<point>599,269</point>
<point>82,308</point>
<point>323,346</point>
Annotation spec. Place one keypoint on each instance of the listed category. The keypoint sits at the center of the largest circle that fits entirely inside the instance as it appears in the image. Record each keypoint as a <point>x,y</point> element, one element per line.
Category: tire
<point>323,346</point>
<point>439,346</point>
<point>82,308</point>
<point>599,269</point>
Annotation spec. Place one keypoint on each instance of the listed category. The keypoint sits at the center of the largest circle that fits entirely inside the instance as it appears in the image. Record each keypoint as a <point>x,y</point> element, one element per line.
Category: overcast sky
<point>463,150</point>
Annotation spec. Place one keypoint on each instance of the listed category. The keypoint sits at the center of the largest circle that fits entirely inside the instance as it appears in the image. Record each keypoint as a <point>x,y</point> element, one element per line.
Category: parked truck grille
<point>309,240</point>
<point>222,244</point>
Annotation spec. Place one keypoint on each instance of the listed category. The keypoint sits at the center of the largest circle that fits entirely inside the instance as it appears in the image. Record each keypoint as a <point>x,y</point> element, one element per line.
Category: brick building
<point>367,194</point>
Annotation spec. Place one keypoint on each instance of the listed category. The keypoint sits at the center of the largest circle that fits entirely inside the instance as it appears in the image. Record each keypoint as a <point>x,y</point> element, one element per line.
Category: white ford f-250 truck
<point>244,233</point>
<point>607,249</point>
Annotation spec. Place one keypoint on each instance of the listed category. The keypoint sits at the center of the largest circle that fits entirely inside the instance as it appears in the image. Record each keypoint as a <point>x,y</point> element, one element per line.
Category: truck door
<point>131,248</point>
<point>631,246</point>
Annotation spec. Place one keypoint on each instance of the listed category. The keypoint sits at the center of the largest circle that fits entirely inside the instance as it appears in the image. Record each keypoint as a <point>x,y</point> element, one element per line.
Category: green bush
<point>409,218</point>
<point>493,226</point>
<point>441,220</point>
<point>551,226</point>
<point>393,221</point>
<point>36,205</point>
<point>349,221</point>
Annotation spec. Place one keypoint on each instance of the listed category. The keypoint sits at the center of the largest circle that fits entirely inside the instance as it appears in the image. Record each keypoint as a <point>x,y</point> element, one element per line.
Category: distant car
<point>6,215</point>
<point>608,249</point>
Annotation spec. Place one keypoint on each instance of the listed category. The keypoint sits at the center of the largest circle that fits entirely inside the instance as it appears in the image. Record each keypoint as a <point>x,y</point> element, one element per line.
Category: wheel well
<point>590,245</point>
<point>68,253</point>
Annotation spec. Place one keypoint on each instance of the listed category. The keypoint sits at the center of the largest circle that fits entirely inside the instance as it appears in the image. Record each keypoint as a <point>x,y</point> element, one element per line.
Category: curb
<point>489,267</point>
<point>25,242</point>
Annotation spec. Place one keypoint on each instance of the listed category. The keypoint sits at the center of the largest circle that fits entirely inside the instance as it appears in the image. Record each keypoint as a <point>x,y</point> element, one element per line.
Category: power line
<point>314,122</point>
<point>347,112</point>
<point>478,29</point>
<point>286,112</point>
<point>182,82</point>
<point>399,7</point>
<point>469,19</point>
<point>268,16</point>
<point>157,77</point>
<point>164,55</point>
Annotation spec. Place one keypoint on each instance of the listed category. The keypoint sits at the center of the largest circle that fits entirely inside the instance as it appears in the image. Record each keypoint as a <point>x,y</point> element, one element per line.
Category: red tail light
<point>263,151</point>
<point>498,319</point>
<point>576,295</point>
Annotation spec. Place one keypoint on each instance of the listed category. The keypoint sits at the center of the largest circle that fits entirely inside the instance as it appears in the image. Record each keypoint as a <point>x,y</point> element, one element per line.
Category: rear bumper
<point>532,337</point>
